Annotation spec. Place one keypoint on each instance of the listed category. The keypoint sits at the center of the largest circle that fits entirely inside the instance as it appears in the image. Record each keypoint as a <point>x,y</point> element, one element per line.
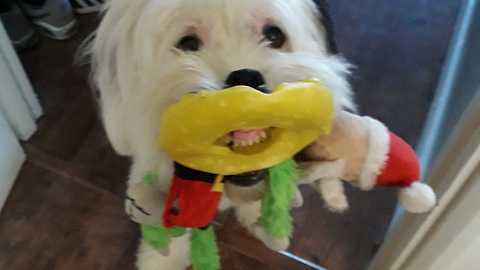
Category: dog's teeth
<point>236,143</point>
<point>246,143</point>
<point>263,135</point>
<point>226,140</point>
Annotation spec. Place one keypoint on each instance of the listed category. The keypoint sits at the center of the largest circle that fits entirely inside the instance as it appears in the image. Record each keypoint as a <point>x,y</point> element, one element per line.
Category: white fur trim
<point>418,198</point>
<point>378,148</point>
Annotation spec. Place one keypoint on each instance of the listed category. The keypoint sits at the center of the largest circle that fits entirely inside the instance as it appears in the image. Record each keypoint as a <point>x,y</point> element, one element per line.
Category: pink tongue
<point>247,134</point>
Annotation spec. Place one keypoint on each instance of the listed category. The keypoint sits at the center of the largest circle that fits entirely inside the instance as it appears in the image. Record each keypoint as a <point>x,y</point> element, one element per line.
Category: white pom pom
<point>417,198</point>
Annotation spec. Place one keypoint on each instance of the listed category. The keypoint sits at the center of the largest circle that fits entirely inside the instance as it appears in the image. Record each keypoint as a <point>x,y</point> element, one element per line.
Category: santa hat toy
<point>392,162</point>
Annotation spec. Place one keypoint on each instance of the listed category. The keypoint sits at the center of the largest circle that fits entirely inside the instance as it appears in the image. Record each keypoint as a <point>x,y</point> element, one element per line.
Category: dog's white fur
<point>138,72</point>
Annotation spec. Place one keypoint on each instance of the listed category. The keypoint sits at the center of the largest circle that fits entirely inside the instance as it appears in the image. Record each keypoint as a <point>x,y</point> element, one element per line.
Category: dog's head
<point>148,53</point>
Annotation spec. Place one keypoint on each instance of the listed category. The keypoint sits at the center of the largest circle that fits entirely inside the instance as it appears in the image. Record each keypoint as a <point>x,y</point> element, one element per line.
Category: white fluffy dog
<point>148,53</point>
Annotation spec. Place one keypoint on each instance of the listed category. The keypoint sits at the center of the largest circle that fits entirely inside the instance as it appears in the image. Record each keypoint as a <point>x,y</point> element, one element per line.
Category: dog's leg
<point>247,205</point>
<point>248,214</point>
<point>298,199</point>
<point>147,187</point>
<point>178,258</point>
<point>144,203</point>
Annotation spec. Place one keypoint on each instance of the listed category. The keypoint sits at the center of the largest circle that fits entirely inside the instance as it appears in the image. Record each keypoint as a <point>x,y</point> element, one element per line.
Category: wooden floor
<point>66,209</point>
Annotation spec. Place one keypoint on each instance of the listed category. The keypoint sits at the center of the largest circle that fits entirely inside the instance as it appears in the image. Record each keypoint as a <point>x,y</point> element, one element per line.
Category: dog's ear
<point>108,53</point>
<point>327,23</point>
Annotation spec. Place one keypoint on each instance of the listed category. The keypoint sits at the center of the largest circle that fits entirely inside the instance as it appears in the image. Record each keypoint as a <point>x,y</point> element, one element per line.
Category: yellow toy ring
<point>295,114</point>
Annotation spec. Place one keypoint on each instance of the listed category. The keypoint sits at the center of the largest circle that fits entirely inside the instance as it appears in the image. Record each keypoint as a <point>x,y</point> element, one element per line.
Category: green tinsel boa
<point>160,237</point>
<point>204,250</point>
<point>277,201</point>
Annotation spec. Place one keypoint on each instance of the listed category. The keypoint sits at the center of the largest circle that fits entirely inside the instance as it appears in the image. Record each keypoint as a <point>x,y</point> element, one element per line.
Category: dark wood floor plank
<point>63,136</point>
<point>109,171</point>
<point>70,131</point>
<point>51,222</point>
<point>63,88</point>
<point>233,260</point>
<point>342,241</point>
<point>81,172</point>
<point>231,234</point>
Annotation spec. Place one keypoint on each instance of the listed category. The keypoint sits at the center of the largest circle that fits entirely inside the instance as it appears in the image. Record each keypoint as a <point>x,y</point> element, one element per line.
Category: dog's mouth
<point>244,139</point>
<point>247,179</point>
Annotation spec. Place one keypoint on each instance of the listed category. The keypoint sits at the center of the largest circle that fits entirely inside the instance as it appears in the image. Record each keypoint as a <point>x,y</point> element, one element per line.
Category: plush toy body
<point>362,151</point>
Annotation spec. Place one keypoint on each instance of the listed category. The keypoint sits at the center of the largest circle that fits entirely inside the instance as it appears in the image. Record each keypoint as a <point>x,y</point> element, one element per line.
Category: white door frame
<point>19,108</point>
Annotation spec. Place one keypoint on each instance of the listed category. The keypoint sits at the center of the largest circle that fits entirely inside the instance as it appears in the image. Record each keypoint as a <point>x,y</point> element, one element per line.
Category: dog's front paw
<point>137,213</point>
<point>274,243</point>
<point>144,204</point>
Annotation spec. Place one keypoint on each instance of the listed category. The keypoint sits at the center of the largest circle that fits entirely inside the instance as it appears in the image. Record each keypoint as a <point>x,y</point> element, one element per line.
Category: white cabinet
<point>11,159</point>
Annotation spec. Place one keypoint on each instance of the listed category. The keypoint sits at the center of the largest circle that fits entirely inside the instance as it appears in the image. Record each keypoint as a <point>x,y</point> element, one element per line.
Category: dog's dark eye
<point>190,43</point>
<point>274,36</point>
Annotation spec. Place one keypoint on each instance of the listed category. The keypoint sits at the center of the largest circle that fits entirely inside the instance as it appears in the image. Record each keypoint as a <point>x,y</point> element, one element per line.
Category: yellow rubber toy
<point>295,114</point>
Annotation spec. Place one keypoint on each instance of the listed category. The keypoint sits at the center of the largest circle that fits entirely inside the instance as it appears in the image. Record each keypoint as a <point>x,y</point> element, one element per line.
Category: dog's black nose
<point>247,77</point>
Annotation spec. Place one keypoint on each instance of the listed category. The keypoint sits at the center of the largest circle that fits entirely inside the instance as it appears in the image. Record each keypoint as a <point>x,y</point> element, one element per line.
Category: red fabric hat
<point>392,162</point>
<point>402,167</point>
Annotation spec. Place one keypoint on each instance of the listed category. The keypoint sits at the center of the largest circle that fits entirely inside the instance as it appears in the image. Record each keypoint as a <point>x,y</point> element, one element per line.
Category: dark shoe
<point>19,28</point>
<point>54,18</point>
<point>87,6</point>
